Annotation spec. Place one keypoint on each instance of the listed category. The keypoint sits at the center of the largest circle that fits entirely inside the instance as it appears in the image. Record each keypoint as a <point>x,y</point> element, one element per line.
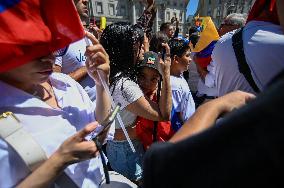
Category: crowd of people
<point>56,99</point>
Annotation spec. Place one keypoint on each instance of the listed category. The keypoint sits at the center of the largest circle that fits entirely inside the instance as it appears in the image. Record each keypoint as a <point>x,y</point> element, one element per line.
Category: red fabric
<point>259,6</point>
<point>203,61</point>
<point>34,28</point>
<point>144,131</point>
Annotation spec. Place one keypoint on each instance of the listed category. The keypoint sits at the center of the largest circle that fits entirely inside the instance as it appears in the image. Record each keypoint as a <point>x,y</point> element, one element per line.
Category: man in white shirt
<point>73,62</point>
<point>263,44</point>
<point>206,85</point>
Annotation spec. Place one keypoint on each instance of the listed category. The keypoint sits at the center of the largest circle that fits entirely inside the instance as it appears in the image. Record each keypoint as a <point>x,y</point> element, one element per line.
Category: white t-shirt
<point>74,59</point>
<point>49,127</point>
<point>264,51</point>
<point>193,77</point>
<point>126,92</point>
<point>181,97</point>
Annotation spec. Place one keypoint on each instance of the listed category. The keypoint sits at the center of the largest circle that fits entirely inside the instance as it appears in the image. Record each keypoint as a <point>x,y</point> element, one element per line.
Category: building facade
<point>219,9</point>
<point>131,10</point>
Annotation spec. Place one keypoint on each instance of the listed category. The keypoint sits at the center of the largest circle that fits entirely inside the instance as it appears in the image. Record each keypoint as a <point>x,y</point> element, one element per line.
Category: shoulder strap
<point>21,141</point>
<point>12,131</point>
<point>155,128</point>
<point>241,58</point>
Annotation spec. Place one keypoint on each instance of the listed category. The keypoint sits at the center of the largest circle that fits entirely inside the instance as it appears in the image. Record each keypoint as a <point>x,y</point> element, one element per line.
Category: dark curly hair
<point>178,47</point>
<point>122,41</point>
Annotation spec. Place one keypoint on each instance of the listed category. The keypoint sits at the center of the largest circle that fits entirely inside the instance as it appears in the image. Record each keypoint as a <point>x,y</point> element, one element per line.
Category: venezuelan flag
<point>208,34</point>
<point>206,43</point>
<point>33,28</point>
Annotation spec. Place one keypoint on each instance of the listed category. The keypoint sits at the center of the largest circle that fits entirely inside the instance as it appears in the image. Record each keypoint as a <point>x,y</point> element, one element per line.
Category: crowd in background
<point>169,88</point>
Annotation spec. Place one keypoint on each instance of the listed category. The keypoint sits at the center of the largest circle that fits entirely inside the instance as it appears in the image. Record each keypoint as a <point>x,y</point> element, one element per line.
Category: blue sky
<point>191,7</point>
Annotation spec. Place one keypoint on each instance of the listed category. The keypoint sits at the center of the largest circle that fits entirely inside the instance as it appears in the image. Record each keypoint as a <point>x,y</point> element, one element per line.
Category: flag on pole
<point>206,43</point>
<point>208,34</point>
<point>33,28</point>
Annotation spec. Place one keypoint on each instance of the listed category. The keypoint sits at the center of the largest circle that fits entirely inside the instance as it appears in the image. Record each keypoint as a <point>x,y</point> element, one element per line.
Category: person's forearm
<point>79,74</point>
<point>204,117</point>
<point>165,103</point>
<point>207,114</point>
<point>103,103</point>
<point>45,175</point>
<point>176,32</point>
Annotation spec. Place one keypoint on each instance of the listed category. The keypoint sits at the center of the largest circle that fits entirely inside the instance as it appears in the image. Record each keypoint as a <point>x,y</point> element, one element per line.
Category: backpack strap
<point>155,127</point>
<point>241,58</point>
<point>12,131</point>
<point>21,141</point>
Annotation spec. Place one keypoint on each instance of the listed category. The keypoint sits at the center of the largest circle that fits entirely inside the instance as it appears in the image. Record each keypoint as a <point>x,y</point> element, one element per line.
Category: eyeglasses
<point>61,52</point>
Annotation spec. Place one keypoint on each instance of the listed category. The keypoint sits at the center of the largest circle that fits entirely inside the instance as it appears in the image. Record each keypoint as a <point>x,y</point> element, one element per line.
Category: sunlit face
<point>184,61</point>
<point>170,31</point>
<point>82,8</point>
<point>32,73</point>
<point>148,79</point>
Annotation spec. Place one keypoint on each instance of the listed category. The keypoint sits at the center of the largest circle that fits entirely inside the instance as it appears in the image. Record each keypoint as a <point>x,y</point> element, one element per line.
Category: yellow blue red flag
<point>208,34</point>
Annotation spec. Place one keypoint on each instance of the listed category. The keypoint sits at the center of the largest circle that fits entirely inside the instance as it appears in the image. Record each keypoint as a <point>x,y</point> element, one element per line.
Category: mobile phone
<point>163,53</point>
<point>105,125</point>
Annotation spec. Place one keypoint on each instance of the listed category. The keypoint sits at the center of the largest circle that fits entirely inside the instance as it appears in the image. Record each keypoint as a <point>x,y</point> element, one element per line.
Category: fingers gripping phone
<point>105,125</point>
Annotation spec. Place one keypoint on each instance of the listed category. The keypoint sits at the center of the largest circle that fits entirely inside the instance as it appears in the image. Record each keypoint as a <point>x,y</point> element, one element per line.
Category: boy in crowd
<point>183,105</point>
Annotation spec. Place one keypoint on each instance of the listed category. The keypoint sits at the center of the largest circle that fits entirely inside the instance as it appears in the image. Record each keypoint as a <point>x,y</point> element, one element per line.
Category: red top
<point>203,61</point>
<point>144,130</point>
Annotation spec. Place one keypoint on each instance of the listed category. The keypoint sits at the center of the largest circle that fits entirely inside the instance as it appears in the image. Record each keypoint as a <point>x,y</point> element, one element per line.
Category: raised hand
<point>97,32</point>
<point>165,64</point>
<point>150,2</point>
<point>146,43</point>
<point>97,60</point>
<point>177,22</point>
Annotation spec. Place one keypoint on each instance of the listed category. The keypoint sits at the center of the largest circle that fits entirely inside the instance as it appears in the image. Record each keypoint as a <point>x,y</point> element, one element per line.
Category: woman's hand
<point>76,148</point>
<point>97,32</point>
<point>165,64</point>
<point>72,150</point>
<point>97,60</point>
